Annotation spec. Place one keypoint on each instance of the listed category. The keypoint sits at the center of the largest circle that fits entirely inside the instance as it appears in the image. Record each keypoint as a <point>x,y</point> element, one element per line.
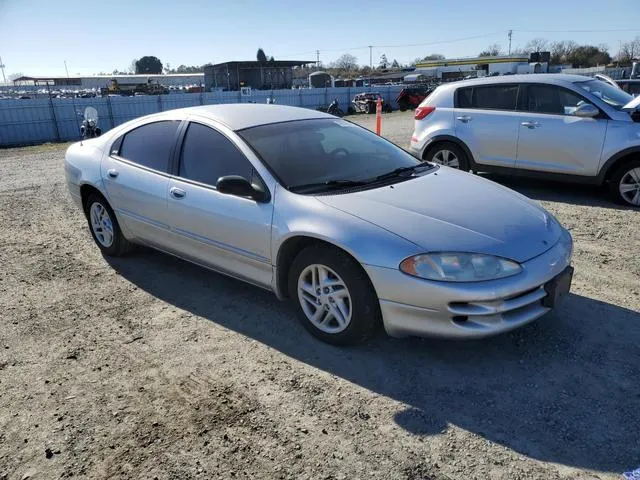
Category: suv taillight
<point>422,112</point>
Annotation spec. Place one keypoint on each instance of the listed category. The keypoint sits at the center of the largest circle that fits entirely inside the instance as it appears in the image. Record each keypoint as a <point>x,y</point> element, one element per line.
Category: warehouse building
<point>272,75</point>
<point>102,81</point>
<point>451,69</point>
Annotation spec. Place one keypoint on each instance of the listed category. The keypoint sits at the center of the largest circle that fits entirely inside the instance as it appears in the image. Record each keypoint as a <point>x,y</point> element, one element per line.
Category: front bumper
<point>412,306</point>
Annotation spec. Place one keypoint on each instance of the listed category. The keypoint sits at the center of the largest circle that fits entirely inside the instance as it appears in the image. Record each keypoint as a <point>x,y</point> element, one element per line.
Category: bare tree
<point>537,45</point>
<point>346,62</point>
<point>12,76</point>
<point>562,51</point>
<point>491,51</point>
<point>132,65</point>
<point>629,51</point>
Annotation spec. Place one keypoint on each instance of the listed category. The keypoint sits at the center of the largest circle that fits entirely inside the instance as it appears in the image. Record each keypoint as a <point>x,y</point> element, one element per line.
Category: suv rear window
<point>493,97</point>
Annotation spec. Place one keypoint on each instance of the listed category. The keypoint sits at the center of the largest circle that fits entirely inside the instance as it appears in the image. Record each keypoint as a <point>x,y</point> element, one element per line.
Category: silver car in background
<point>355,231</point>
<point>551,126</point>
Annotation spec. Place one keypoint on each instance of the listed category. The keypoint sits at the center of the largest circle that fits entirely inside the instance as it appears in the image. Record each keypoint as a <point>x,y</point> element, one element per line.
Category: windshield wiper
<point>329,184</point>
<point>399,171</point>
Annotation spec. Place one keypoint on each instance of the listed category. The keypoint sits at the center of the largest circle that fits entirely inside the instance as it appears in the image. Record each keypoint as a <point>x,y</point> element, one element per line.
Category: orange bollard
<point>378,115</point>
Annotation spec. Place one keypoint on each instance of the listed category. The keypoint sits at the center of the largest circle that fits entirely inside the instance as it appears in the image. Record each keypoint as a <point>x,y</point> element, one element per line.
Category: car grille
<point>488,314</point>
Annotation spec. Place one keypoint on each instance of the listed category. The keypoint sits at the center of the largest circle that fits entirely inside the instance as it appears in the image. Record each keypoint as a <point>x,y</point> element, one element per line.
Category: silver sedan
<point>353,230</point>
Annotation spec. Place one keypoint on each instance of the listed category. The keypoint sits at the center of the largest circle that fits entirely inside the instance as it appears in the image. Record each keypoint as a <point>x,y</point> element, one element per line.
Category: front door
<point>225,232</point>
<point>487,121</point>
<point>135,176</point>
<point>552,139</point>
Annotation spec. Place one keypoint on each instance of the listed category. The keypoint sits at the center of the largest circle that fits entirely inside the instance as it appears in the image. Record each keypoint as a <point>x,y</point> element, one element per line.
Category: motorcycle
<point>334,108</point>
<point>89,127</point>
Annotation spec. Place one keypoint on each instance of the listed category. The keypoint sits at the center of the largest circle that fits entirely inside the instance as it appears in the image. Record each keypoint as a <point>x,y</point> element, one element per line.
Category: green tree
<point>383,61</point>
<point>149,64</point>
<point>589,56</point>
<point>430,57</point>
<point>261,56</point>
<point>395,64</point>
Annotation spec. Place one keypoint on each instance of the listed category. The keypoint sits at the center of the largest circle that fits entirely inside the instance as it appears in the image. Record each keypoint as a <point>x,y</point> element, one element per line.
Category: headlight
<point>459,267</point>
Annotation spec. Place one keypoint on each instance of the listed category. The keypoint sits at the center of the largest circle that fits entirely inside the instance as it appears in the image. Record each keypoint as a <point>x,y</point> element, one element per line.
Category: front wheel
<point>448,154</point>
<point>625,184</point>
<point>333,296</point>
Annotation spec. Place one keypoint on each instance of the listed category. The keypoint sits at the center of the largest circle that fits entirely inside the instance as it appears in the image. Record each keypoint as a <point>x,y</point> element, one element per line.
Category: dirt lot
<point>148,367</point>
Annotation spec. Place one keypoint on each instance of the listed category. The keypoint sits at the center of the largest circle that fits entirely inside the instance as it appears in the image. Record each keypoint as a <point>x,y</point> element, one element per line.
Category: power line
<point>462,39</point>
<point>578,31</point>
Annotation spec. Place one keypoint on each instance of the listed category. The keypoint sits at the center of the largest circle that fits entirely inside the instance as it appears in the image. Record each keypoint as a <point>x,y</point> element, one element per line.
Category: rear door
<point>486,120</point>
<point>136,179</point>
<point>226,232</point>
<point>552,139</point>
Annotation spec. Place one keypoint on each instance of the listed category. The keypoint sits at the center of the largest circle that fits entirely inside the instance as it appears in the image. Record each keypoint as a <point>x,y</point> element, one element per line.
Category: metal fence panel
<point>33,121</point>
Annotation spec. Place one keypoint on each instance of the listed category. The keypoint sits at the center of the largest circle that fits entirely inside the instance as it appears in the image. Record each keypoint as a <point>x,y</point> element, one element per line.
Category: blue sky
<point>37,36</point>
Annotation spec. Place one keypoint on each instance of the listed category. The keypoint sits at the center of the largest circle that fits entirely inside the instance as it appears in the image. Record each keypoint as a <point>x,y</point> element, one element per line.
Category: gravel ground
<point>149,367</point>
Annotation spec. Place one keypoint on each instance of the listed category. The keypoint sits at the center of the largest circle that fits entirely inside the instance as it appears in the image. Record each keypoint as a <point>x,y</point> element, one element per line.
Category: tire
<point>624,185</point>
<point>360,302</point>
<point>97,209</point>
<point>455,158</point>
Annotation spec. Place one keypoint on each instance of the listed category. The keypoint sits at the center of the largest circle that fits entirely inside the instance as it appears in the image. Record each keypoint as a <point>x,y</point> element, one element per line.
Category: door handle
<point>530,125</point>
<point>177,193</point>
<point>112,172</point>
<point>464,119</point>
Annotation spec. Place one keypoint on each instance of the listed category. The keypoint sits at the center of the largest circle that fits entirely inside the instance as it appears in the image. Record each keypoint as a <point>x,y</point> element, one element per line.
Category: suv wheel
<point>625,184</point>
<point>448,154</point>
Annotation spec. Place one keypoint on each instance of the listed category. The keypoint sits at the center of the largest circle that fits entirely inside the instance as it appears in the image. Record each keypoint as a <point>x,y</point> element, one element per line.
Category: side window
<point>495,97</point>
<point>150,145</point>
<point>208,155</point>
<point>464,98</point>
<point>551,99</point>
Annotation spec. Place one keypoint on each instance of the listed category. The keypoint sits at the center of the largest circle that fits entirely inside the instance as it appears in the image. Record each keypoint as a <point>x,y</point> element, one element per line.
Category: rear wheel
<point>625,184</point>
<point>104,227</point>
<point>333,296</point>
<point>448,154</point>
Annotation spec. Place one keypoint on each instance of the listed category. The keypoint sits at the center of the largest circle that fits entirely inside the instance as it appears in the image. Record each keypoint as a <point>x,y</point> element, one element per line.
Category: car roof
<point>551,78</point>
<point>238,116</point>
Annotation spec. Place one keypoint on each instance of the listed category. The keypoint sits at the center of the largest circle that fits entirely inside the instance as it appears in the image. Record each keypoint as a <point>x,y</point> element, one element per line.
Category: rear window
<point>150,145</point>
<point>493,97</point>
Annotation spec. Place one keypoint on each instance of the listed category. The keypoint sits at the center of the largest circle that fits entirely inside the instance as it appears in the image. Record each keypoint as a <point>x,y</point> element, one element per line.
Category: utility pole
<point>510,34</point>
<point>317,59</point>
<point>4,79</point>
<point>370,63</point>
<point>66,69</point>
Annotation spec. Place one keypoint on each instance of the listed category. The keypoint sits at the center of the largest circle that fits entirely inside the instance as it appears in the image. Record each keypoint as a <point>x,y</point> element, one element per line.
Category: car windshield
<point>608,93</point>
<point>325,152</point>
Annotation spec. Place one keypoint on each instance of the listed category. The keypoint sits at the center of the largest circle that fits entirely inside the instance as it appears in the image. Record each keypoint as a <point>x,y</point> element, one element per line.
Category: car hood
<point>449,210</point>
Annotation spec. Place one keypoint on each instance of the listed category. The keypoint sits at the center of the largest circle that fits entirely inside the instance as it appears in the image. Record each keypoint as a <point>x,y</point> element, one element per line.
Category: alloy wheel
<point>101,224</point>
<point>324,298</point>
<point>446,157</point>
<point>629,186</point>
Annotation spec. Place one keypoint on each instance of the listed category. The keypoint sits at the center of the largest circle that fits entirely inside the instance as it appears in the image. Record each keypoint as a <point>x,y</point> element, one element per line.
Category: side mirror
<point>586,110</point>
<point>240,187</point>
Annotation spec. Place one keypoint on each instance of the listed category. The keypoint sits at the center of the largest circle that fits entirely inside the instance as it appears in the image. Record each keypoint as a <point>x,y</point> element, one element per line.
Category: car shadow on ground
<point>546,190</point>
<point>563,389</point>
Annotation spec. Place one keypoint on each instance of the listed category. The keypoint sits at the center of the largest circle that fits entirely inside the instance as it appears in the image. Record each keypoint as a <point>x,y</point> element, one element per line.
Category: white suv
<point>555,126</point>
